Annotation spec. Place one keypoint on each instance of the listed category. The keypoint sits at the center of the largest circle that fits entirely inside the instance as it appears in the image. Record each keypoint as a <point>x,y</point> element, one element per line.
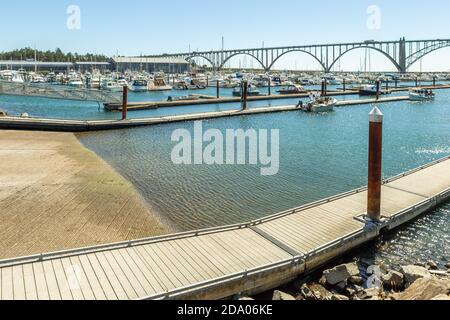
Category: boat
<point>110,85</point>
<point>319,104</point>
<point>370,90</point>
<point>159,84</point>
<point>183,98</point>
<point>139,85</point>
<point>251,92</point>
<point>421,94</point>
<point>181,85</point>
<point>292,89</point>
<point>75,83</point>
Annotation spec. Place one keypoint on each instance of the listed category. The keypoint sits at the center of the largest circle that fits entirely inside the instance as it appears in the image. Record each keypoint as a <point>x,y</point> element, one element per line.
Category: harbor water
<point>320,155</point>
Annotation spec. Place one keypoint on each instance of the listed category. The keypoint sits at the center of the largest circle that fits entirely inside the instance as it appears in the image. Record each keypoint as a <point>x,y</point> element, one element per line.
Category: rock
<point>24,115</point>
<point>3,113</point>
<point>447,266</point>
<point>350,291</point>
<point>441,297</point>
<point>323,281</point>
<point>341,273</point>
<point>393,280</point>
<point>412,273</point>
<point>282,296</point>
<point>425,288</point>
<point>338,297</point>
<point>431,265</point>
<point>246,299</point>
<point>369,293</point>
<point>340,287</point>
<point>320,292</point>
<point>356,280</point>
<point>306,293</point>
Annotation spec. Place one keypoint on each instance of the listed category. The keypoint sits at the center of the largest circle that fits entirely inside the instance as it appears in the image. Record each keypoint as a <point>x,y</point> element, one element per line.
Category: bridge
<point>402,53</point>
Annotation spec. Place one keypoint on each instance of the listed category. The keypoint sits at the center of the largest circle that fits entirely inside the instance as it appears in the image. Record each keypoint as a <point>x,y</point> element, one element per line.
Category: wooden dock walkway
<point>221,262</point>
<point>16,123</point>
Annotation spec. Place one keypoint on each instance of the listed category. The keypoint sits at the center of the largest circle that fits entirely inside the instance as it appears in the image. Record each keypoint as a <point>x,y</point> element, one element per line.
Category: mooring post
<point>387,84</point>
<point>244,89</point>
<point>375,164</point>
<point>270,92</point>
<point>343,83</point>
<point>434,81</point>
<point>396,83</point>
<point>207,81</point>
<point>323,88</point>
<point>417,81</point>
<point>217,89</point>
<point>124,103</point>
<point>378,89</point>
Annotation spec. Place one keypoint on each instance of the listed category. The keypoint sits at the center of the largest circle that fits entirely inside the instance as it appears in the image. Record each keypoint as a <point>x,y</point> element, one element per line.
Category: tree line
<point>51,56</point>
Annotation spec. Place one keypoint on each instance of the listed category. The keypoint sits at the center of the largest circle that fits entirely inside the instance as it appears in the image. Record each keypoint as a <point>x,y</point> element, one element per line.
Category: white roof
<point>160,60</point>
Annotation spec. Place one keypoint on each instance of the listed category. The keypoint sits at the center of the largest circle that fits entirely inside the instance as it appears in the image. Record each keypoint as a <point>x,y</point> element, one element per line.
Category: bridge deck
<point>220,262</point>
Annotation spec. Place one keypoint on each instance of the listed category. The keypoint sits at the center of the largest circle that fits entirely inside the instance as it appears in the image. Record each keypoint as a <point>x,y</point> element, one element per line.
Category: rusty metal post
<point>378,89</point>
<point>375,164</point>
<point>343,83</point>
<point>387,84</point>
<point>417,81</point>
<point>323,88</point>
<point>434,81</point>
<point>125,103</point>
<point>217,89</point>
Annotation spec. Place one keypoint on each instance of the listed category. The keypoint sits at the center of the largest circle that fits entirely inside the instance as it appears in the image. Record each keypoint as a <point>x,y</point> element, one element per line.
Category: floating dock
<point>202,99</point>
<point>17,123</point>
<point>221,262</point>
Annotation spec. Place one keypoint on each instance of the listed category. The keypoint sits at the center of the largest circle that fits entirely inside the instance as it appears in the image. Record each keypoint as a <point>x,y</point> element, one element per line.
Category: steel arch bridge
<point>402,53</point>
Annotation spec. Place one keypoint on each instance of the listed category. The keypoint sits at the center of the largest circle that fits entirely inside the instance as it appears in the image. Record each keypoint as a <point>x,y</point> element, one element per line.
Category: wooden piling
<point>124,102</point>
<point>375,164</point>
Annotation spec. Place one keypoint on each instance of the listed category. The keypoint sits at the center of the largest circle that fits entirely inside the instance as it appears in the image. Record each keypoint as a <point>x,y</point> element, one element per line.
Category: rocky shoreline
<point>361,281</point>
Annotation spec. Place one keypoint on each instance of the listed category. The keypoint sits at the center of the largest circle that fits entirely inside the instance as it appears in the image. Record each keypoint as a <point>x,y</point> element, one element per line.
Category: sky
<point>160,26</point>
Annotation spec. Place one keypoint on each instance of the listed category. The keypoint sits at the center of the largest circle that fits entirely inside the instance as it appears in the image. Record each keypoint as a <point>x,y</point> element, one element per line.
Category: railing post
<point>375,164</point>
<point>125,103</point>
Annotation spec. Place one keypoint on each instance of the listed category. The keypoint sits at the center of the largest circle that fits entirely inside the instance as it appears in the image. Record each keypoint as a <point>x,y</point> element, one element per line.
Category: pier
<point>202,99</point>
<point>17,123</point>
<point>221,262</point>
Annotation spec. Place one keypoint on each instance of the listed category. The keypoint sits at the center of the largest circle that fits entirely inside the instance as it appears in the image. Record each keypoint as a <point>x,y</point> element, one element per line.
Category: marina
<point>185,156</point>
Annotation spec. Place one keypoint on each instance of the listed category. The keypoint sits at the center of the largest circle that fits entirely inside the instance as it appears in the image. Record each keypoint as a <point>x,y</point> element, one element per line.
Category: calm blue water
<point>321,155</point>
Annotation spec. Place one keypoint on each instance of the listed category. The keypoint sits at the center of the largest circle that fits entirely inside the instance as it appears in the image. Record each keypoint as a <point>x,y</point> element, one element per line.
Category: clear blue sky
<point>157,26</point>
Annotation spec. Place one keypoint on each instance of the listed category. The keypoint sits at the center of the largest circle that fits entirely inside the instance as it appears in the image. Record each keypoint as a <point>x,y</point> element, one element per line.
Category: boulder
<point>320,292</point>
<point>24,115</point>
<point>306,293</point>
<point>431,265</point>
<point>425,288</point>
<point>341,273</point>
<point>441,297</point>
<point>369,293</point>
<point>412,273</point>
<point>356,280</point>
<point>282,296</point>
<point>447,266</point>
<point>393,280</point>
<point>3,113</point>
<point>338,297</point>
<point>246,299</point>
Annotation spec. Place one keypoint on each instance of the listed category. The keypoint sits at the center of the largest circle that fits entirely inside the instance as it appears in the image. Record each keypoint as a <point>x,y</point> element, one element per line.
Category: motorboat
<point>159,84</point>
<point>110,85</point>
<point>319,104</point>
<point>75,83</point>
<point>139,85</point>
<point>421,94</point>
<point>251,91</point>
<point>370,90</point>
<point>292,89</point>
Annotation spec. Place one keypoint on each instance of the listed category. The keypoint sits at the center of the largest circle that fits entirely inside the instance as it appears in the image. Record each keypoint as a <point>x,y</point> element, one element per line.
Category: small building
<point>164,64</point>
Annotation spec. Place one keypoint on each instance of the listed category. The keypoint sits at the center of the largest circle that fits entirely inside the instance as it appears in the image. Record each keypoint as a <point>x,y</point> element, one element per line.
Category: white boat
<point>139,85</point>
<point>320,104</point>
<point>159,84</point>
<point>75,83</point>
<point>292,89</point>
<point>17,78</point>
<point>421,95</point>
<point>110,85</point>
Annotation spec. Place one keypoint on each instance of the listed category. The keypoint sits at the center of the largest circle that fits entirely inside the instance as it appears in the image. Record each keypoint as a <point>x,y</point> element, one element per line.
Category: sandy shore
<point>55,195</point>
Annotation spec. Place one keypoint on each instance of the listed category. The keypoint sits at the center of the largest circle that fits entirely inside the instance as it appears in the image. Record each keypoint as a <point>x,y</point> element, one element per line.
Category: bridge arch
<point>189,59</point>
<point>394,62</point>
<point>241,53</point>
<point>427,50</point>
<point>297,50</point>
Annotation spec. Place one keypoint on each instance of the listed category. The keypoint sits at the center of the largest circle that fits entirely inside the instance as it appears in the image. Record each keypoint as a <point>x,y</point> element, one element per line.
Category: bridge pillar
<point>402,55</point>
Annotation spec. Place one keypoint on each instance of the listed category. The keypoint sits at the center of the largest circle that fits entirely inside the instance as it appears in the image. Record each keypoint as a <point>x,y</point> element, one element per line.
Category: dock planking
<point>221,262</point>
